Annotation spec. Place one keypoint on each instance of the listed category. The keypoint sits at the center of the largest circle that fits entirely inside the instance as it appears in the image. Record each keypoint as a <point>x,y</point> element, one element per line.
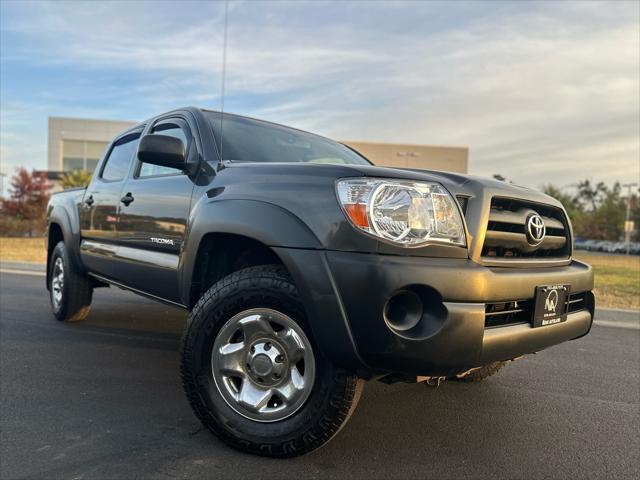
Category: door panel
<point>98,225</point>
<point>99,211</point>
<point>152,225</point>
<point>151,231</point>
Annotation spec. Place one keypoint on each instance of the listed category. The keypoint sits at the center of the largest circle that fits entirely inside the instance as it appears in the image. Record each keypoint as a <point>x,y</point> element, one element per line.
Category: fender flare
<point>66,217</point>
<point>264,222</point>
<point>301,253</point>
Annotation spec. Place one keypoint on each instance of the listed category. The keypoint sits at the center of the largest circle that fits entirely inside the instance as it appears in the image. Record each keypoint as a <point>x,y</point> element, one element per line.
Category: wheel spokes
<point>254,398</point>
<point>57,281</point>
<point>288,392</point>
<point>231,358</point>
<point>297,380</point>
<point>255,325</point>
<point>293,344</point>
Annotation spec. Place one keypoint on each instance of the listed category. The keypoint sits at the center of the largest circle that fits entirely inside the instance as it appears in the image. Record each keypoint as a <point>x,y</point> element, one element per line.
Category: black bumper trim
<point>507,342</point>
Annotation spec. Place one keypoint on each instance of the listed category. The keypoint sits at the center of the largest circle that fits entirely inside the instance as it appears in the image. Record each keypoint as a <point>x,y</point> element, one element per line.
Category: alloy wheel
<point>263,365</point>
<point>57,282</point>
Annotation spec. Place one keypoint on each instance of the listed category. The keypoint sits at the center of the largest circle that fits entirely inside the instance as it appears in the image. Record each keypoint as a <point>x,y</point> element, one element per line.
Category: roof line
<point>404,144</point>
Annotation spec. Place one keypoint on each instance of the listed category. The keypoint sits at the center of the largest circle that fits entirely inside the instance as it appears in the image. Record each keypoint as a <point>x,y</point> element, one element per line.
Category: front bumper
<point>452,336</point>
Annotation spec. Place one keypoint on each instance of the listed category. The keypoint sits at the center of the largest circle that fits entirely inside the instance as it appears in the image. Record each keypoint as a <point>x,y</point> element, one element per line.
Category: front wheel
<point>70,291</point>
<point>253,375</point>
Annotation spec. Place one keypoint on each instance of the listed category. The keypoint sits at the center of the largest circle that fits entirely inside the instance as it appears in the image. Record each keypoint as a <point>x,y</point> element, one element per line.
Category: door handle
<point>127,199</point>
<point>89,201</point>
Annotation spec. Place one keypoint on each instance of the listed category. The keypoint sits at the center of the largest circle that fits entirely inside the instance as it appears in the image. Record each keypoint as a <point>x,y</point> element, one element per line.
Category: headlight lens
<point>403,212</point>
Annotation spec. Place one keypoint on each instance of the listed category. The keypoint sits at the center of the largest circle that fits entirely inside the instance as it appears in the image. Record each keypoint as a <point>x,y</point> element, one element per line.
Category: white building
<point>76,143</point>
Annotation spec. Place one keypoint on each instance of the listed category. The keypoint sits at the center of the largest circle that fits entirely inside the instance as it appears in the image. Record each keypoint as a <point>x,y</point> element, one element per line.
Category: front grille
<point>577,302</point>
<point>506,236</point>
<point>521,311</point>
<point>508,313</point>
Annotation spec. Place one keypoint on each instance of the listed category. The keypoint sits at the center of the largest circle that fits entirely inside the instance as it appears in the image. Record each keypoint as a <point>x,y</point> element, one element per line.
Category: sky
<point>540,92</point>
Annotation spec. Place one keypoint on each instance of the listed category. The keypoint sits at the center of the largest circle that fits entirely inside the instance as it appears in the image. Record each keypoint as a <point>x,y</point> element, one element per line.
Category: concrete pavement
<point>102,399</point>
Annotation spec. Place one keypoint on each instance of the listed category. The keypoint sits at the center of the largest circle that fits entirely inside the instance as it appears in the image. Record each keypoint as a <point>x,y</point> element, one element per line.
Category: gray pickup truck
<point>307,270</point>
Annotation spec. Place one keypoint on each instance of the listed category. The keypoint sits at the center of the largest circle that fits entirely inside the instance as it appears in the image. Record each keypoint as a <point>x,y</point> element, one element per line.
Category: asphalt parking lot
<point>102,399</point>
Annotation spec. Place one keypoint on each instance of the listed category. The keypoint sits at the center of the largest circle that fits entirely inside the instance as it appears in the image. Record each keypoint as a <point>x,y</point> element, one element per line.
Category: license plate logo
<point>551,305</point>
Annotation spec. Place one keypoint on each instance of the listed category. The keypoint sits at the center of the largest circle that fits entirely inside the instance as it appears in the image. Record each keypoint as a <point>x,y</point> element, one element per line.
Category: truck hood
<point>461,185</point>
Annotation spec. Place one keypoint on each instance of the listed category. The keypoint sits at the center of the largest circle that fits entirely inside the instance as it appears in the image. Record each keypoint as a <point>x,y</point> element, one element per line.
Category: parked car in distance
<point>606,246</point>
<point>307,270</point>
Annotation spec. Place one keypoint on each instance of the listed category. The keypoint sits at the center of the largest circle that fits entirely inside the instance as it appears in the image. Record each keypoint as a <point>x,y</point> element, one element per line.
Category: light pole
<point>2,175</point>
<point>627,225</point>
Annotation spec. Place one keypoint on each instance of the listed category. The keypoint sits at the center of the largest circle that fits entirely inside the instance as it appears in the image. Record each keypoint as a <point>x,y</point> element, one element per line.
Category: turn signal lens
<point>357,213</point>
<point>403,212</point>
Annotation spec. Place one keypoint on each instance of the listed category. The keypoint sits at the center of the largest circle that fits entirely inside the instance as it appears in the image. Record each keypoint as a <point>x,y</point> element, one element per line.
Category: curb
<point>617,311</point>
<point>28,266</point>
<point>609,316</point>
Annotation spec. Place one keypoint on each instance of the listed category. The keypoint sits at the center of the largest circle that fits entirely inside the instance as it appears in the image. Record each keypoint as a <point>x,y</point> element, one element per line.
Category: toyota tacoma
<point>307,270</point>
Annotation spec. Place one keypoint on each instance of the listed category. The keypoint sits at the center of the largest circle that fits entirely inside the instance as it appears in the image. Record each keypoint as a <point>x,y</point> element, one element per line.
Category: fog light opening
<point>403,310</point>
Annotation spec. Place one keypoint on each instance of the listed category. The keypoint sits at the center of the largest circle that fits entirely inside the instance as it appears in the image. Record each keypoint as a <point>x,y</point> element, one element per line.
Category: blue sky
<point>539,92</point>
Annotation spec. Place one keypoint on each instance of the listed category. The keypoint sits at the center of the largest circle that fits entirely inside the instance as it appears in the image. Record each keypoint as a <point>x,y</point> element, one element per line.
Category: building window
<point>81,154</point>
<point>72,163</point>
<point>91,163</point>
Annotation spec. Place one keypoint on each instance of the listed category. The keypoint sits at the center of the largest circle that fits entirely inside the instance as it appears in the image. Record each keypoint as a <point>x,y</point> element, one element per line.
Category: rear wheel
<point>252,373</point>
<point>70,291</point>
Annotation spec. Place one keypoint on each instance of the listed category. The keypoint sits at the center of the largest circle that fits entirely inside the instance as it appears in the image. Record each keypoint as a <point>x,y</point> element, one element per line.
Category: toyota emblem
<point>535,229</point>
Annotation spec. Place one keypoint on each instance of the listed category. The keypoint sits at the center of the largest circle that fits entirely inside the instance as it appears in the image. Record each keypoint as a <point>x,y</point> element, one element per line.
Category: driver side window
<point>171,130</point>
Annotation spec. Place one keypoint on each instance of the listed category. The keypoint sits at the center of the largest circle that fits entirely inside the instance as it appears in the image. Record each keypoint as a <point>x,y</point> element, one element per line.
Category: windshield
<point>248,140</point>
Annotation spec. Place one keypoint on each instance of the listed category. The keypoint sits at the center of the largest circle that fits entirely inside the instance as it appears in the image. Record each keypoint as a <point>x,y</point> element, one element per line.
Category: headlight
<point>403,212</point>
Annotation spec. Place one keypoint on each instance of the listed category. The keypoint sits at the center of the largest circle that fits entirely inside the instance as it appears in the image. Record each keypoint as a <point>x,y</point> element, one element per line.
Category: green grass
<point>617,277</point>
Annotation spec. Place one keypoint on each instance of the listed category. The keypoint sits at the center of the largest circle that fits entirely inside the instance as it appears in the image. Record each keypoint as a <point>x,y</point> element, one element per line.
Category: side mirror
<point>162,150</point>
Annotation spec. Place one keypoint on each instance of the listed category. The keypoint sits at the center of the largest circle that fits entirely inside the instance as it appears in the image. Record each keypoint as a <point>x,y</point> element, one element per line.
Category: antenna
<point>224,74</point>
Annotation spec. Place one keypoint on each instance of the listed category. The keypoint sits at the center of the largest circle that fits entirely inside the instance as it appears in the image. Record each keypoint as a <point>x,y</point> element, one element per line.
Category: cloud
<point>539,92</point>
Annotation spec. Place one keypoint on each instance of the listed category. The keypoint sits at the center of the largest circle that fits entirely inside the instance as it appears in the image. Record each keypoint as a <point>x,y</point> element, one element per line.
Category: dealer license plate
<point>550,305</point>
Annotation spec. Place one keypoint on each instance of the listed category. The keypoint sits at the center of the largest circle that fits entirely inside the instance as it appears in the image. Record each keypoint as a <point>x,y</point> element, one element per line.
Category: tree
<point>569,201</point>
<point>571,204</point>
<point>607,222</point>
<point>75,178</point>
<point>635,215</point>
<point>28,198</point>
<point>590,194</point>
<point>596,211</point>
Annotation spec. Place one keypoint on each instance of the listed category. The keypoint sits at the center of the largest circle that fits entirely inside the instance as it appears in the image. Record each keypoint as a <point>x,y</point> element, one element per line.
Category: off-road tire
<point>335,391</point>
<point>480,373</point>
<point>77,290</point>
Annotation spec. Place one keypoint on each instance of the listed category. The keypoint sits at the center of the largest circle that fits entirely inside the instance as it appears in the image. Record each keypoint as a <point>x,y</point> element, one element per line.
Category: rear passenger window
<point>119,160</point>
<point>171,130</point>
